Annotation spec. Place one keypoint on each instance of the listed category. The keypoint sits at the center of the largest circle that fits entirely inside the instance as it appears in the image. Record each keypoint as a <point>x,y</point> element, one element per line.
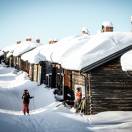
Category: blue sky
<point>47,19</point>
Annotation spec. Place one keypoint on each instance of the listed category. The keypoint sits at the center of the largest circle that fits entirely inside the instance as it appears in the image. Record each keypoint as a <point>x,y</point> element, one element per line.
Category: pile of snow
<point>22,76</point>
<point>24,47</point>
<point>9,54</point>
<point>67,46</point>
<point>110,121</point>
<point>95,48</point>
<point>126,62</point>
<point>33,56</point>
<point>47,51</point>
<point>41,53</point>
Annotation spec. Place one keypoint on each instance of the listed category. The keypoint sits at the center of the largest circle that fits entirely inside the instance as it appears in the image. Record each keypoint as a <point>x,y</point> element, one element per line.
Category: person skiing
<point>26,99</point>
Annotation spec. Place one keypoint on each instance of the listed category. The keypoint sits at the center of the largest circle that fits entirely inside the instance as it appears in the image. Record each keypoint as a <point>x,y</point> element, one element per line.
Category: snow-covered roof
<point>96,48</point>
<point>126,61</point>
<point>107,24</point>
<point>67,46</point>
<point>9,54</point>
<point>41,53</point>
<point>24,47</point>
<point>77,52</point>
<point>47,51</point>
<point>9,48</point>
<point>33,56</point>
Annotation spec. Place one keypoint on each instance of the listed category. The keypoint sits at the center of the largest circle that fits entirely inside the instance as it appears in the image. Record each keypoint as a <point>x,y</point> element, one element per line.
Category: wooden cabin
<point>1,58</point>
<point>6,60</point>
<point>41,73</point>
<point>59,77</point>
<point>11,61</point>
<point>25,66</point>
<point>108,88</point>
<point>48,71</point>
<point>18,62</point>
<point>31,69</point>
<point>52,72</point>
<point>15,62</point>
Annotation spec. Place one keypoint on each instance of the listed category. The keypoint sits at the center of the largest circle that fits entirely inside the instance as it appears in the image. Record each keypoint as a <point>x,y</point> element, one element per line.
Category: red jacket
<point>78,95</point>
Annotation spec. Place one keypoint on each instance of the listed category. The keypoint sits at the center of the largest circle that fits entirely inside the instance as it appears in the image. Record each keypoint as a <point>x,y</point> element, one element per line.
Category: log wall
<point>110,88</point>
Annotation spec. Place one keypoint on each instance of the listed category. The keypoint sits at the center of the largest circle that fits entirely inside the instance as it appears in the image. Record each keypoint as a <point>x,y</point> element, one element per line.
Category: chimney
<point>28,39</point>
<point>107,27</point>
<point>84,30</point>
<point>18,42</point>
<point>37,40</point>
<point>52,41</point>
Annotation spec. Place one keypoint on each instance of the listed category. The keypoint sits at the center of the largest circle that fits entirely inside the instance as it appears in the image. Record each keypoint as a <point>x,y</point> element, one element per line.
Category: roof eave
<point>106,59</point>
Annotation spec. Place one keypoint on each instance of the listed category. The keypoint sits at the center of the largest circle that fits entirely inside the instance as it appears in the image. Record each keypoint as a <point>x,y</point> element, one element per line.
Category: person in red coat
<point>78,97</point>
<point>26,99</point>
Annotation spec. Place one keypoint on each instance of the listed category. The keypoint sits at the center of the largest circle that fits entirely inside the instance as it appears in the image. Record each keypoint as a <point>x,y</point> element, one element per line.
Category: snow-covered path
<point>44,115</point>
<point>47,115</point>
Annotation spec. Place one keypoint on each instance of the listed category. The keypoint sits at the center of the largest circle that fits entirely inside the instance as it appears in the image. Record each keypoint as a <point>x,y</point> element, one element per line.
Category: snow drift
<point>126,61</point>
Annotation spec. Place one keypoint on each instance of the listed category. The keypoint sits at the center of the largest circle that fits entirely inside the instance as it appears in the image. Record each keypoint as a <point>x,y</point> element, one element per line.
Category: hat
<point>25,90</point>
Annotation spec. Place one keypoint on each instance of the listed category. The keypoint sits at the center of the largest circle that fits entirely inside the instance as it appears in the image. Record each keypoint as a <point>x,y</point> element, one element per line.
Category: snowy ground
<point>46,114</point>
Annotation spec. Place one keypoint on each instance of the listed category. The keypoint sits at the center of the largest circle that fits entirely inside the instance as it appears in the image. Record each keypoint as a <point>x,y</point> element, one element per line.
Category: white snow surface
<point>34,56</point>
<point>45,111</point>
<point>24,47</point>
<point>68,46</point>
<point>41,53</point>
<point>47,115</point>
<point>9,54</point>
<point>126,61</point>
<point>95,48</point>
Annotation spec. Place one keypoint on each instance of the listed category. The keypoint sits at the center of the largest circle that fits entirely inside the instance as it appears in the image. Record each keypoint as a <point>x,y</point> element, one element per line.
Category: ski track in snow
<point>32,112</point>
